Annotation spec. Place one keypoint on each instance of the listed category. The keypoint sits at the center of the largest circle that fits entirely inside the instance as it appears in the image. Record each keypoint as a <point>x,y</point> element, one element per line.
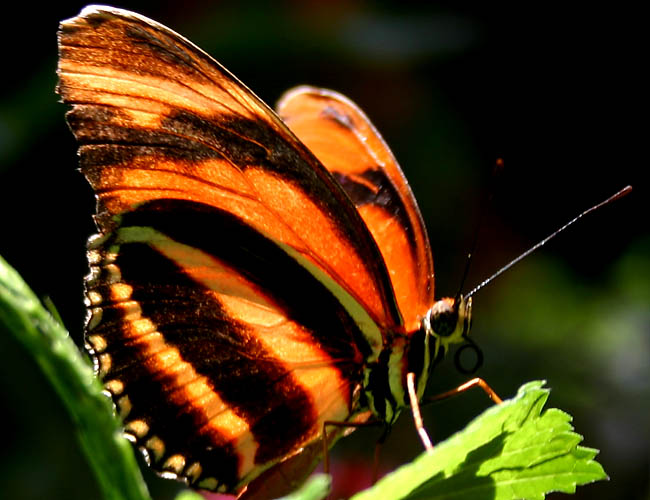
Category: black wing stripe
<point>382,194</point>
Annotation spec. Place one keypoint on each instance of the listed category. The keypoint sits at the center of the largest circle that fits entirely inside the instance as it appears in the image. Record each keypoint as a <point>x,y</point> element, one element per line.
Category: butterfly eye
<point>444,318</point>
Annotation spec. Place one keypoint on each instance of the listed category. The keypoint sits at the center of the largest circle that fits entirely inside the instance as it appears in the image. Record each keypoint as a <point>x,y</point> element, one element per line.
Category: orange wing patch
<point>344,140</point>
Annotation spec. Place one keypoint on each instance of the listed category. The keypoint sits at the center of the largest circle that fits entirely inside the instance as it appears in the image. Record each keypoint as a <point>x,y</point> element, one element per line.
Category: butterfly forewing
<point>158,118</point>
<point>347,144</point>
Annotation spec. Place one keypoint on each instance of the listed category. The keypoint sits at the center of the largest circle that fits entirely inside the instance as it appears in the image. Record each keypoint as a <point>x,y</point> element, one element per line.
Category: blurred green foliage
<point>71,376</point>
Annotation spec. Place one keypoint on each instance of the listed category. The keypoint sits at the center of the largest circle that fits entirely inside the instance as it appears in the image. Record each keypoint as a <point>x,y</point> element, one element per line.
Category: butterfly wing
<point>219,365</point>
<point>344,140</point>
<point>234,291</point>
<point>158,118</point>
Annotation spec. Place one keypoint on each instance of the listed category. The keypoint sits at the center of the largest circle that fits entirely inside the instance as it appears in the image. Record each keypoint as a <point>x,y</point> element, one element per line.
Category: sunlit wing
<point>348,145</point>
<point>234,288</point>
<point>159,118</point>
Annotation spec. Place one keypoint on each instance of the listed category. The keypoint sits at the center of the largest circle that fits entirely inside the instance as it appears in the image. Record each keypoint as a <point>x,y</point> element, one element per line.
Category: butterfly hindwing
<point>347,144</point>
<point>214,375</point>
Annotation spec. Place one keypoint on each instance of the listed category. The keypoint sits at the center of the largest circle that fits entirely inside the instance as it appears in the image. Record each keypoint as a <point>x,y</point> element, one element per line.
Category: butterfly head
<point>448,322</point>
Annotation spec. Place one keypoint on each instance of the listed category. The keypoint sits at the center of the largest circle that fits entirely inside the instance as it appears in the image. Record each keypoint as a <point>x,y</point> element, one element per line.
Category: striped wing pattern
<point>235,295</point>
<point>348,145</point>
<point>213,374</point>
<point>158,118</point>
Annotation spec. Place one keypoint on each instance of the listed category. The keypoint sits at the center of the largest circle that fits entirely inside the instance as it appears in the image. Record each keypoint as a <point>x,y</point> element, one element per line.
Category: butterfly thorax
<point>385,389</point>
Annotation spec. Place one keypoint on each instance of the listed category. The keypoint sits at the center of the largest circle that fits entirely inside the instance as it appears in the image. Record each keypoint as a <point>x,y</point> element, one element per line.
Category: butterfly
<point>255,274</point>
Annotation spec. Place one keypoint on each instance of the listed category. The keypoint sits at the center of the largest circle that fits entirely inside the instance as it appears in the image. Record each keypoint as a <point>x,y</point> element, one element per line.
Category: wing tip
<point>90,12</point>
<point>96,14</point>
<point>305,89</point>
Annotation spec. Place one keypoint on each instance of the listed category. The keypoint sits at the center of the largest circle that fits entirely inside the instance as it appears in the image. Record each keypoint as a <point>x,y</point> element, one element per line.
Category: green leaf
<point>189,495</point>
<point>511,451</point>
<point>110,455</point>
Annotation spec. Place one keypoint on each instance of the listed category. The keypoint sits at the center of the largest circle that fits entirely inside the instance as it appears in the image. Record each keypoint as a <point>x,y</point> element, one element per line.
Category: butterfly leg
<point>415,409</point>
<point>415,404</point>
<point>477,381</point>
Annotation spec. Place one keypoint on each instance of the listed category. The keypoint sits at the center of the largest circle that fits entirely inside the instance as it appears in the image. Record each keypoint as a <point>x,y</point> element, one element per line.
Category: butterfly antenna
<point>626,190</point>
<point>496,171</point>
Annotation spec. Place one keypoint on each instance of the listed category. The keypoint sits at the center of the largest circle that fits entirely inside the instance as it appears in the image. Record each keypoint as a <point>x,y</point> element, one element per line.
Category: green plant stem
<point>109,454</point>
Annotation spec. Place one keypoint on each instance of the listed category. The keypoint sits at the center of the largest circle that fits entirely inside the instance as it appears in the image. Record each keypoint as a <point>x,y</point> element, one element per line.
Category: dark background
<point>555,92</point>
